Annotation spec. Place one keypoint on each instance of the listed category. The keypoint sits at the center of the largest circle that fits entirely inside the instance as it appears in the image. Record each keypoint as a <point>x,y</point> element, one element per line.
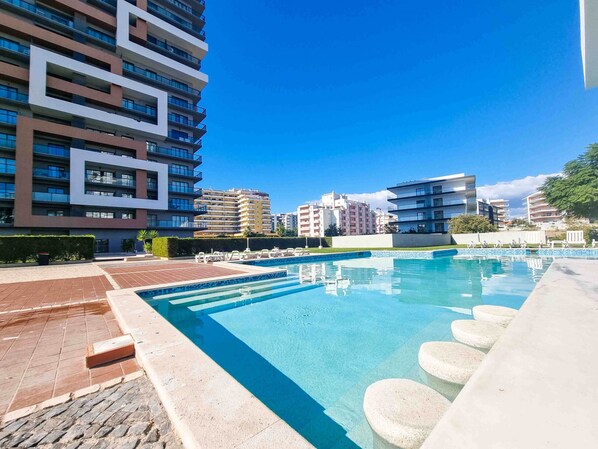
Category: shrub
<point>466,224</point>
<point>24,248</point>
<point>175,246</point>
<point>127,245</point>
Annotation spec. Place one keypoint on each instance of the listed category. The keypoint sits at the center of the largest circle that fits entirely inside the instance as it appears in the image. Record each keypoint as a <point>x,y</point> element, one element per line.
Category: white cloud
<point>375,199</point>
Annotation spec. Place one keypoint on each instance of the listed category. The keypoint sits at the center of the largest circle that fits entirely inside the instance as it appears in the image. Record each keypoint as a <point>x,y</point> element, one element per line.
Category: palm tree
<point>146,237</point>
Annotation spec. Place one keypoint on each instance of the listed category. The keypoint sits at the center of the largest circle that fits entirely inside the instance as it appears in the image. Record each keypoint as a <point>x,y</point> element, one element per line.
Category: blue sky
<point>353,96</point>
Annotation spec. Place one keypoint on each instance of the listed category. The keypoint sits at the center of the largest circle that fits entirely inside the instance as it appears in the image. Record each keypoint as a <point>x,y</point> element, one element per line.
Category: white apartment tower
<point>502,214</point>
<point>542,214</point>
<point>353,217</point>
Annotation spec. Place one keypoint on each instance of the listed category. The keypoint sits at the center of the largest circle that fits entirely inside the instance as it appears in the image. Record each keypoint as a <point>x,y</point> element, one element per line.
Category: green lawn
<point>421,248</point>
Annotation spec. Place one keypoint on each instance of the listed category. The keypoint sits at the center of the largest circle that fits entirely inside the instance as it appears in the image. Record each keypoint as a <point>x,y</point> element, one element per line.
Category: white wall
<point>505,237</point>
<point>391,240</point>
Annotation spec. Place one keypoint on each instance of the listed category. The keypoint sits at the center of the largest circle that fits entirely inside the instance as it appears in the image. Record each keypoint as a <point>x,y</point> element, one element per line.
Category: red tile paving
<point>164,273</point>
<point>23,295</point>
<point>42,352</point>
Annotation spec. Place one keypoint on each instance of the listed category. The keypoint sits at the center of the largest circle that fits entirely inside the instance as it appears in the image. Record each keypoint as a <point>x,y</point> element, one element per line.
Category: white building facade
<point>502,214</point>
<point>352,217</point>
<point>427,205</point>
<point>542,214</point>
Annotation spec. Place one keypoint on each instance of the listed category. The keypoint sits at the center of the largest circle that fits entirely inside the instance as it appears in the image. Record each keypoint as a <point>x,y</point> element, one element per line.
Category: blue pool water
<point>310,344</point>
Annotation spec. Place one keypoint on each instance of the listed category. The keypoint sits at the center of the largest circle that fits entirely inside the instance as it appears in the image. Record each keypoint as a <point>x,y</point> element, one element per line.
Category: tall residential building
<point>99,121</point>
<point>353,217</point>
<point>232,211</point>
<point>502,214</point>
<point>288,220</point>
<point>382,220</point>
<point>542,214</point>
<point>485,209</point>
<point>427,205</point>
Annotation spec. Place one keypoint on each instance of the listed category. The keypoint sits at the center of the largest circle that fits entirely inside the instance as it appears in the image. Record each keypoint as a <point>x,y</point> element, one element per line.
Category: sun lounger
<point>234,255</point>
<point>264,254</point>
<point>199,257</point>
<point>576,238</point>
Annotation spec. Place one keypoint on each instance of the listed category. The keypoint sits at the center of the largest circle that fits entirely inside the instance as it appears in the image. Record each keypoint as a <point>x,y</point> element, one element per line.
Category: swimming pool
<point>309,344</point>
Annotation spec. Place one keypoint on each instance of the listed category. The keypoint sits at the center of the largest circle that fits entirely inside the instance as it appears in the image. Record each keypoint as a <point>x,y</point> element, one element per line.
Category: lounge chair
<point>576,238</point>
<point>498,244</point>
<point>594,243</point>
<point>301,252</point>
<point>289,252</point>
<point>471,244</point>
<point>264,254</point>
<point>484,244</point>
<point>234,255</point>
<point>524,244</point>
<point>199,257</point>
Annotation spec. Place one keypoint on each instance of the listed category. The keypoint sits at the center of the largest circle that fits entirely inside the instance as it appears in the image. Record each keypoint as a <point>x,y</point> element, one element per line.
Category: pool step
<point>189,293</point>
<point>237,290</point>
<point>217,306</point>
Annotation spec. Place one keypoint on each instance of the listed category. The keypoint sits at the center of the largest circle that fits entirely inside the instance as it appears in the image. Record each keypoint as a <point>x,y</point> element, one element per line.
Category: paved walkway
<point>126,416</point>
<point>42,273</point>
<point>144,274</point>
<point>42,353</point>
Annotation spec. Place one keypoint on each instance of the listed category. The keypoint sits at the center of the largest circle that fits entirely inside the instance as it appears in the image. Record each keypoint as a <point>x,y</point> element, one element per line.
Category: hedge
<point>24,248</point>
<point>176,247</point>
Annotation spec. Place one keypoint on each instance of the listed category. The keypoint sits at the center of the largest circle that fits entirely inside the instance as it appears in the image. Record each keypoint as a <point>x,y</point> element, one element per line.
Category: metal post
<point>247,249</point>
<point>320,243</point>
<point>306,242</point>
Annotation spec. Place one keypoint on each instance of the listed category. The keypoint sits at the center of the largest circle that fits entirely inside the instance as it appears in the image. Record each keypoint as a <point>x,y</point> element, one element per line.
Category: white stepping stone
<point>478,334</point>
<point>449,361</point>
<point>494,314</point>
<point>402,413</point>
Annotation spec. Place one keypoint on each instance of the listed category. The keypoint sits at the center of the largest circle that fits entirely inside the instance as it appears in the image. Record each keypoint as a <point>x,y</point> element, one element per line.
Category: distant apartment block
<point>288,220</point>
<point>502,214</point>
<point>382,220</point>
<point>99,118</point>
<point>353,217</point>
<point>542,214</point>
<point>232,211</point>
<point>427,205</point>
<point>485,209</point>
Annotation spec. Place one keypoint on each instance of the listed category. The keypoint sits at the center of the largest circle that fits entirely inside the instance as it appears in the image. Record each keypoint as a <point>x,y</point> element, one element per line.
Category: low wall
<point>506,237</point>
<point>391,240</point>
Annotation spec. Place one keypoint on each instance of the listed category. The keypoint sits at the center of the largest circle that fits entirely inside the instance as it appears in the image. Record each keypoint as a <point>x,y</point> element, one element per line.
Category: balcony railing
<point>12,46</point>
<point>12,95</point>
<point>176,19</point>
<point>8,117</point>
<point>101,36</point>
<point>187,190</point>
<point>174,152</point>
<point>185,172</point>
<point>182,120</point>
<point>176,224</point>
<point>51,150</point>
<point>42,12</point>
<point>144,109</point>
<point>7,142</point>
<point>186,105</point>
<point>175,51</point>
<point>128,67</point>
<point>5,195</point>
<point>51,197</point>
<point>187,9</point>
<point>187,207</point>
<point>51,174</point>
<point>188,139</point>
<point>111,181</point>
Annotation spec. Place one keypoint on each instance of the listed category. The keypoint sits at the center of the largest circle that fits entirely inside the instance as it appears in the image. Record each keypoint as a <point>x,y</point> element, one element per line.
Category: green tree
<point>247,232</point>
<point>466,224</point>
<point>280,230</point>
<point>333,231</point>
<point>523,224</point>
<point>576,190</point>
<point>146,237</point>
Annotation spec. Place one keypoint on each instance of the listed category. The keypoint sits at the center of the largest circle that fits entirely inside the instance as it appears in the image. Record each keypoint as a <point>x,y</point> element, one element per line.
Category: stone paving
<point>126,416</point>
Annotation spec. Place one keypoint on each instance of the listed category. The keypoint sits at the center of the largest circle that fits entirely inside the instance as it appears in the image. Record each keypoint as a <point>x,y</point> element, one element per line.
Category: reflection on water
<point>310,355</point>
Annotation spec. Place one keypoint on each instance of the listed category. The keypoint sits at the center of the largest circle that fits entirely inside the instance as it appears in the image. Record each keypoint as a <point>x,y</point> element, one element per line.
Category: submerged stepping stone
<point>478,334</point>
<point>402,413</point>
<point>494,314</point>
<point>449,361</point>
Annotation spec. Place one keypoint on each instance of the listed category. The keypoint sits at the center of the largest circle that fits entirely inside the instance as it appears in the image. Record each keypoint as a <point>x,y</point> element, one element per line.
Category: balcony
<point>175,52</point>
<point>186,105</point>
<point>108,180</point>
<point>103,37</point>
<point>175,20</point>
<point>51,150</point>
<point>465,191</point>
<point>5,195</point>
<point>196,174</point>
<point>182,120</point>
<point>8,141</point>
<point>187,207</point>
<point>14,47</point>
<point>41,12</point>
<point>141,108</point>
<point>188,9</point>
<point>51,174</point>
<point>175,153</point>
<point>148,74</point>
<point>167,224</point>
<point>8,117</point>
<point>188,139</point>
<point>50,197</point>
<point>11,95</point>
<point>183,190</point>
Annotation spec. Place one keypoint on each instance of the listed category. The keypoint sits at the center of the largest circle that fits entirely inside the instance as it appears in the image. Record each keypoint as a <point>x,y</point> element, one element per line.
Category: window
<point>55,171</point>
<point>7,116</point>
<point>420,191</point>
<point>97,214</point>
<point>437,202</point>
<point>421,216</point>
<point>55,213</point>
<point>127,216</point>
<point>437,189</point>
<point>180,135</point>
<point>102,245</point>
<point>6,214</point>
<point>152,219</point>
<point>7,166</point>
<point>7,190</point>
<point>126,195</point>
<point>99,193</point>
<point>179,220</point>
<point>8,92</point>
<point>55,190</point>
<point>8,140</point>
<point>438,215</point>
<point>439,227</point>
<point>420,203</point>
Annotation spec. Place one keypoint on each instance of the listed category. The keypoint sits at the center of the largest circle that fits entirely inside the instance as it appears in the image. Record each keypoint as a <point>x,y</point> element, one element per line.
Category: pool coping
<point>537,385</point>
<point>208,407</point>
